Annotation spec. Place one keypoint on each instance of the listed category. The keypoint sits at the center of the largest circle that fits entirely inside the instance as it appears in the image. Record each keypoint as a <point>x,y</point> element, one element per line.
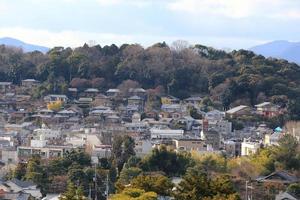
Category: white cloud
<point>137,3</point>
<point>238,8</point>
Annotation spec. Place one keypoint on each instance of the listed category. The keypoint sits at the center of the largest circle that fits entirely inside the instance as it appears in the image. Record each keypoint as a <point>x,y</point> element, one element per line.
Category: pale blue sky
<point>217,23</point>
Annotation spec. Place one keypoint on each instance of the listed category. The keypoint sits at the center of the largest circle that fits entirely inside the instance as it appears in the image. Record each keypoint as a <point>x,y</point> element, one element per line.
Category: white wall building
<point>157,133</point>
<point>249,148</point>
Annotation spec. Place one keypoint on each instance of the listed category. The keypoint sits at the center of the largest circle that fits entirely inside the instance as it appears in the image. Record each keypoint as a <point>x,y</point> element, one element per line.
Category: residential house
<point>193,100</point>
<point>44,150</point>
<point>73,93</point>
<point>56,97</point>
<point>91,92</point>
<point>249,147</point>
<point>6,87</point>
<point>16,186</point>
<point>281,177</point>
<point>158,133</point>
<point>136,127</point>
<point>169,100</point>
<point>214,115</point>
<point>238,111</point>
<point>187,144</point>
<point>136,101</point>
<point>142,147</point>
<point>30,83</point>
<point>102,100</point>
<point>233,147</point>
<point>287,196</point>
<point>211,138</point>
<point>267,109</point>
<point>100,151</point>
<point>140,92</point>
<point>113,92</point>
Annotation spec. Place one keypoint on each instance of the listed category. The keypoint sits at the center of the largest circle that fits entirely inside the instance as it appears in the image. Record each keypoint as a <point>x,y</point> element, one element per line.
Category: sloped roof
<point>284,176</point>
<point>236,109</point>
<point>22,184</point>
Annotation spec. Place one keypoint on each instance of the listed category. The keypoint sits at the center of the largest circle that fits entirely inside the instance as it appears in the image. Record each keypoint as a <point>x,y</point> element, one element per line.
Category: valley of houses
<point>90,120</point>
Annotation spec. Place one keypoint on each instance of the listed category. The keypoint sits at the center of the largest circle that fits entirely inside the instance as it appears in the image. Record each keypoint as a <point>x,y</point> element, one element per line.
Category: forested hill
<point>231,78</point>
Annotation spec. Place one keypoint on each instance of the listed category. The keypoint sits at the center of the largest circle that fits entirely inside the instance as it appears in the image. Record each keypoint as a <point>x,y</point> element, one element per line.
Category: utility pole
<point>107,186</point>
<point>246,190</point>
<point>95,180</point>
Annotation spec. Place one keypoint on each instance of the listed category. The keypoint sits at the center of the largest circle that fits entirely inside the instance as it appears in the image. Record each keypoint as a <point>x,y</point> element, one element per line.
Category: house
<point>171,108</point>
<point>215,115</point>
<point>9,155</point>
<point>193,100</point>
<point>16,186</point>
<point>102,100</point>
<point>249,147</point>
<point>185,144</point>
<point>113,92</point>
<point>238,111</point>
<point>136,101</point>
<point>84,102</point>
<point>5,87</point>
<point>56,97</point>
<point>267,109</point>
<point>72,93</point>
<point>30,83</point>
<point>273,138</point>
<point>158,133</point>
<point>91,92</point>
<point>169,100</point>
<point>136,127</point>
<point>142,147</point>
<point>211,138</point>
<point>140,92</point>
<point>281,177</point>
<point>15,195</point>
<point>233,147</point>
<point>286,196</point>
<point>44,150</point>
<point>100,151</point>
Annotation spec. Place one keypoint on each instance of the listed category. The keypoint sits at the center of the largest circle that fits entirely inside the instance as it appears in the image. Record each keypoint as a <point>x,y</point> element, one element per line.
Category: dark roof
<point>22,184</point>
<point>17,196</point>
<point>283,176</point>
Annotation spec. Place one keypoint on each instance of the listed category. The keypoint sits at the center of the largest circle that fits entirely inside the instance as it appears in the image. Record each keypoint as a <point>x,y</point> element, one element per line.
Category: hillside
<point>229,79</point>
<point>280,49</point>
<point>20,44</point>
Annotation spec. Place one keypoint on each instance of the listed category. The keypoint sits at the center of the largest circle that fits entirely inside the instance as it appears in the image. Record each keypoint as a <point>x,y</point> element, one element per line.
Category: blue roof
<point>278,129</point>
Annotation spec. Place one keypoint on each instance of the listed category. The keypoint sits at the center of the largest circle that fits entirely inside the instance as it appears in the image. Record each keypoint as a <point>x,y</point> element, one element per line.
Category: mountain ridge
<point>9,41</point>
<point>279,49</point>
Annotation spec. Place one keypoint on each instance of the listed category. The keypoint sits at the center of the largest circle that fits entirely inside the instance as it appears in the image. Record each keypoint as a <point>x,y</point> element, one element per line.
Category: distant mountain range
<point>20,44</point>
<point>280,49</point>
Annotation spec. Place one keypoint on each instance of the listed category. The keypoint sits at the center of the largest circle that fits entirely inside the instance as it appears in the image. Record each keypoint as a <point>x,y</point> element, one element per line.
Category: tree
<point>126,85</point>
<point>197,185</point>
<point>159,184</point>
<point>73,193</point>
<point>287,153</point>
<point>20,171</point>
<point>127,174</point>
<point>134,194</point>
<point>294,189</point>
<point>36,173</point>
<point>122,149</point>
<point>55,106</point>
<point>174,164</point>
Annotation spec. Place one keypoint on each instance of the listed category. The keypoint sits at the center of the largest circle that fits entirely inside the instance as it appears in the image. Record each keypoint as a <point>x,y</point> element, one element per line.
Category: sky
<point>230,24</point>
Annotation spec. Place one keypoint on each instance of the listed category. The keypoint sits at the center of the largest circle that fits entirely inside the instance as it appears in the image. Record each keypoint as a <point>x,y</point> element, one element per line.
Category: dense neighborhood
<point>56,126</point>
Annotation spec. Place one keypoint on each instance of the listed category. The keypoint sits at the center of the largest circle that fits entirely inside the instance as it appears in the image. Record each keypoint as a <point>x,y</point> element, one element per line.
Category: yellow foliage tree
<point>55,106</point>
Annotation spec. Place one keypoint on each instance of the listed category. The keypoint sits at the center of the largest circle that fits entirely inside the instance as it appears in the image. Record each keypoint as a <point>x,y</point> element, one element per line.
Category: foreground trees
<point>197,185</point>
